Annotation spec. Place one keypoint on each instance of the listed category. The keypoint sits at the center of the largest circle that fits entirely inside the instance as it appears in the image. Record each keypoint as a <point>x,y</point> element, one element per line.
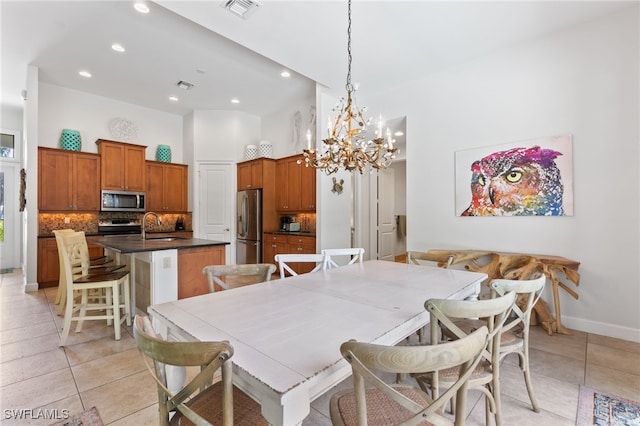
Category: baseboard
<point>602,328</point>
<point>29,287</point>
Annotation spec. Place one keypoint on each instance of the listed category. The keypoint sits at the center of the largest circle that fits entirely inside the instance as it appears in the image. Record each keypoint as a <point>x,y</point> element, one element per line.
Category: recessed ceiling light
<point>141,7</point>
<point>173,98</point>
<point>285,74</point>
<point>85,74</point>
<point>235,101</point>
<point>201,71</point>
<point>117,47</point>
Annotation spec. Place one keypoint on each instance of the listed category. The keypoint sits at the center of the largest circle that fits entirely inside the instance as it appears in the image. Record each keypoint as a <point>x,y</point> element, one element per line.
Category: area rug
<point>86,418</point>
<point>597,408</point>
<point>6,271</point>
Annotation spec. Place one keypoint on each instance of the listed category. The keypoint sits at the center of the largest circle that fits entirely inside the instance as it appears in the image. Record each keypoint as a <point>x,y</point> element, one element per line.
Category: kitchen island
<point>164,268</point>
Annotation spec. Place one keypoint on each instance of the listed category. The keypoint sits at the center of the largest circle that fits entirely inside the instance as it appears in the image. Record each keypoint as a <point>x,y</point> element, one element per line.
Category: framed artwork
<point>526,178</point>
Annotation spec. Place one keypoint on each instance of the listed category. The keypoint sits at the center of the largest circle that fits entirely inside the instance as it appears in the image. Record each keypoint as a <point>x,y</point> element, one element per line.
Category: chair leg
<point>527,375</point>
<point>109,304</point>
<point>127,300</point>
<point>116,309</point>
<point>66,325</point>
<point>84,300</point>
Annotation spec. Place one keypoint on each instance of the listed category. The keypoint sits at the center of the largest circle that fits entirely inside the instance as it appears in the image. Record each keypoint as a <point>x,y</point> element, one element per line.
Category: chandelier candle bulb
<point>308,139</point>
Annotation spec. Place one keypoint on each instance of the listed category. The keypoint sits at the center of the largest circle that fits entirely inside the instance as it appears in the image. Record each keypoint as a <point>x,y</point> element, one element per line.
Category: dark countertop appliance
<point>119,226</point>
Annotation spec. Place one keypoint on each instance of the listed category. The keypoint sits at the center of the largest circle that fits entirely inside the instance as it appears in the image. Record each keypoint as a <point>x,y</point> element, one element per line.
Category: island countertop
<point>135,244</point>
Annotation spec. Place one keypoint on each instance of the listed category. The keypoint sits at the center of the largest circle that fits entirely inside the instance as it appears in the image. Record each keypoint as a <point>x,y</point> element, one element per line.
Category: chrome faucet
<point>144,222</point>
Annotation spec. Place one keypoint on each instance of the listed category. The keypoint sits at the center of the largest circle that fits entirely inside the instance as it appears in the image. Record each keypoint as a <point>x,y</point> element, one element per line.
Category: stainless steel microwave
<point>122,201</point>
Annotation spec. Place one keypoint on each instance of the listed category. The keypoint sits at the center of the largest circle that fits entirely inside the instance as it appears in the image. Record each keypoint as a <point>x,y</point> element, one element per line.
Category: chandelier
<point>347,145</point>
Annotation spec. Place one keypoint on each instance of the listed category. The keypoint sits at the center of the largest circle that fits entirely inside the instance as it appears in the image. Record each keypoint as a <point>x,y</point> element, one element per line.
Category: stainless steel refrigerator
<point>249,227</point>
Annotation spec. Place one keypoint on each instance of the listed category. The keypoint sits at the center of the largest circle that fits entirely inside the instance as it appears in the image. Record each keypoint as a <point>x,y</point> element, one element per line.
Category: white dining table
<point>287,333</point>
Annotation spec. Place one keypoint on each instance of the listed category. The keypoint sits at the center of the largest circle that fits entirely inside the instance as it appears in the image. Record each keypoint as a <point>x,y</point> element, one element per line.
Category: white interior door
<point>10,240</point>
<point>215,204</point>
<point>386,217</point>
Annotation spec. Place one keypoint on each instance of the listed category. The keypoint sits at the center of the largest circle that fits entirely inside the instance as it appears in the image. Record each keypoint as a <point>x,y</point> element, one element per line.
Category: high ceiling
<point>202,43</point>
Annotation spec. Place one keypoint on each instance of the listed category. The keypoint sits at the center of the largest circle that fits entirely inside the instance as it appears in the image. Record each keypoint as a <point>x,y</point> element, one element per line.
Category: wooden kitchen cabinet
<point>167,187</point>
<point>123,166</point>
<point>282,244</point>
<point>250,174</point>
<point>68,180</point>
<point>48,272</point>
<point>296,185</point>
<point>273,244</point>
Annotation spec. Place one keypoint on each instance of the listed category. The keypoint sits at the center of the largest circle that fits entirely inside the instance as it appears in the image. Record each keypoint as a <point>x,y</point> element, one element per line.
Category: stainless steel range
<point>119,226</point>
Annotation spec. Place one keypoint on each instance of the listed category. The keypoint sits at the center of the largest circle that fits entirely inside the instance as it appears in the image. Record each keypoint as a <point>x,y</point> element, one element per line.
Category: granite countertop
<point>296,233</point>
<point>135,244</point>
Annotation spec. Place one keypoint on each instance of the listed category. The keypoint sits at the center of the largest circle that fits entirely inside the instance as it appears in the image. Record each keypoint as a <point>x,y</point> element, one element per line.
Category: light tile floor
<point>95,370</point>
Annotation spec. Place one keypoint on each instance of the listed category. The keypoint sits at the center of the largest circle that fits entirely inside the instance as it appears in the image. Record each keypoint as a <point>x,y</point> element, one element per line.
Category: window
<point>7,145</point>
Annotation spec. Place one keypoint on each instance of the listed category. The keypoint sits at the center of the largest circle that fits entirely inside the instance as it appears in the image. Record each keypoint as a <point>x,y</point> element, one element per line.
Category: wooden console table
<point>516,266</point>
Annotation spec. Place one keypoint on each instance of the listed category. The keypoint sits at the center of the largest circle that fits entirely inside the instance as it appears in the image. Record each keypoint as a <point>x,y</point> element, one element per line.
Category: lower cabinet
<point>191,280</point>
<point>49,264</point>
<point>282,244</point>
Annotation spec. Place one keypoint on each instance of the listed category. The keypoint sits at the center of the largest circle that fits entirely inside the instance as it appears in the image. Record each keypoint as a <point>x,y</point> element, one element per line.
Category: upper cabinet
<point>296,185</point>
<point>123,166</point>
<point>250,174</point>
<point>68,180</point>
<point>167,187</point>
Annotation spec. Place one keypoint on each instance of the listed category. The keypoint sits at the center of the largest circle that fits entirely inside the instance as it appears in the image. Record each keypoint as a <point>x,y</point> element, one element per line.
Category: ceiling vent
<point>184,85</point>
<point>241,8</point>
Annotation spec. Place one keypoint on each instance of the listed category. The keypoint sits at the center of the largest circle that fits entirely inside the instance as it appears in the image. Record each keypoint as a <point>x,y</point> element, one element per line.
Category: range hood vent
<point>241,8</point>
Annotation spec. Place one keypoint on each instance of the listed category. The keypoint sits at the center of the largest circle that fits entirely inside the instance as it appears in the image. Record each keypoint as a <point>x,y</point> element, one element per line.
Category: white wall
<point>10,118</point>
<point>222,135</point>
<point>583,81</point>
<point>62,108</point>
<point>278,128</point>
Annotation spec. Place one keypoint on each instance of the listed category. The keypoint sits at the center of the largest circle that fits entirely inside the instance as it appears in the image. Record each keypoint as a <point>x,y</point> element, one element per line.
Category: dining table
<point>287,333</point>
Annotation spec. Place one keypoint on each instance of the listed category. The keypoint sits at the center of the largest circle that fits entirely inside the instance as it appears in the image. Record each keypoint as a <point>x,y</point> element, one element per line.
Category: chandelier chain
<point>349,87</point>
<point>347,145</point>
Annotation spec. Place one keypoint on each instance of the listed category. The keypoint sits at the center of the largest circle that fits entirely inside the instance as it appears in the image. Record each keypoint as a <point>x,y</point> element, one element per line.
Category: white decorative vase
<point>251,152</point>
<point>266,149</point>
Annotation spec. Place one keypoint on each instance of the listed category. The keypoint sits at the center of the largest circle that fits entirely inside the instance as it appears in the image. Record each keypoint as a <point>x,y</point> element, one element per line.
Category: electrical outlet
<point>67,219</point>
<point>166,262</point>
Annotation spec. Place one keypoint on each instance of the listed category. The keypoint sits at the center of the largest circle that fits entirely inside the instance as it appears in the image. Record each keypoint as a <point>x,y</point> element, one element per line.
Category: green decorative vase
<point>163,153</point>
<point>70,140</point>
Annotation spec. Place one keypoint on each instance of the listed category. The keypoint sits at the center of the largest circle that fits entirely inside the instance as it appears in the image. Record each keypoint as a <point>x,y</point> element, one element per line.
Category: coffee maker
<point>284,223</point>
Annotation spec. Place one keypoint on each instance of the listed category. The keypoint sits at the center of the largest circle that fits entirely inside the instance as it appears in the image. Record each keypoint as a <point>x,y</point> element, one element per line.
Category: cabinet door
<point>175,188</point>
<point>48,262</point>
<point>256,174</point>
<point>307,188</point>
<point>244,176</point>
<point>293,182</point>
<point>54,180</point>
<point>155,187</point>
<point>282,182</point>
<point>86,182</point>
<point>113,167</point>
<point>134,170</point>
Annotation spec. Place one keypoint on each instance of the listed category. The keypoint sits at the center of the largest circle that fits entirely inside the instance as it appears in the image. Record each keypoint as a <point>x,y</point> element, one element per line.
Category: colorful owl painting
<point>516,182</point>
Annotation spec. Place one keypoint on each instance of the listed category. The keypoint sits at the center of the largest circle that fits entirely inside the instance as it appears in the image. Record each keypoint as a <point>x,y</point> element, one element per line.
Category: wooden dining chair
<point>79,282</point>
<point>374,401</point>
<point>355,254</point>
<point>286,261</point>
<point>515,333</point>
<point>218,275</point>
<point>204,400</point>
<point>486,376</point>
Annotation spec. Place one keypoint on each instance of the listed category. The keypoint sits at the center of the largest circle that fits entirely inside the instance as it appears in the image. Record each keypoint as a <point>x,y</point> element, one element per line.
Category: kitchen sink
<point>164,238</point>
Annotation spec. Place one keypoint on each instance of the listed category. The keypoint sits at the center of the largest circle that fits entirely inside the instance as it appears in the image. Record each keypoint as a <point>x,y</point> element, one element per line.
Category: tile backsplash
<point>88,222</point>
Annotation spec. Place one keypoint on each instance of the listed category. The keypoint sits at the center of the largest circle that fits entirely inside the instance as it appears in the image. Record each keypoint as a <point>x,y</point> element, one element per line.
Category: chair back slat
<point>216,274</point>
<point>356,254</point>
<point>284,261</point>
